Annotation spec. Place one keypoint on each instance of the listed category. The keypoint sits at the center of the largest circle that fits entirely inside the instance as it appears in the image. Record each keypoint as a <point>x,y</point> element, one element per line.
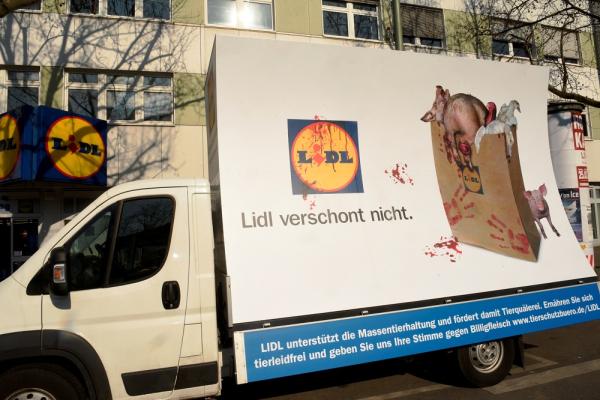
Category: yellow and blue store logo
<point>75,147</point>
<point>10,145</point>
<point>324,157</point>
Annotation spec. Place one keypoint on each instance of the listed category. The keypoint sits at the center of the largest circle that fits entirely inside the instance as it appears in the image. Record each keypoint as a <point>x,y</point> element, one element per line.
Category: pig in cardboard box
<point>479,174</point>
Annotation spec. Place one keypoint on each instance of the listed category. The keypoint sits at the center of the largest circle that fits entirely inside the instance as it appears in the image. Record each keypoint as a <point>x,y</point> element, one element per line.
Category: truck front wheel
<point>486,364</point>
<point>40,382</point>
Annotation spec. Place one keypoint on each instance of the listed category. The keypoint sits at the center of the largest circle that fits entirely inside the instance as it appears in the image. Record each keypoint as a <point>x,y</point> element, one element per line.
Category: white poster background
<point>285,271</point>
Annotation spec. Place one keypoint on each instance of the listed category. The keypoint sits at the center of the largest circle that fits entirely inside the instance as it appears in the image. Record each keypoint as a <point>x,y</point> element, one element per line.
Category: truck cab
<point>120,303</point>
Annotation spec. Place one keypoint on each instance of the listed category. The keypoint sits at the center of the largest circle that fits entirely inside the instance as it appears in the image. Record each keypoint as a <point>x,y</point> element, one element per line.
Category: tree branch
<point>573,96</point>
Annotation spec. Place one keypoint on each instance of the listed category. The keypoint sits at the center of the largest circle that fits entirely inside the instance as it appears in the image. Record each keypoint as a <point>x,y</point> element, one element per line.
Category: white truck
<point>309,249</point>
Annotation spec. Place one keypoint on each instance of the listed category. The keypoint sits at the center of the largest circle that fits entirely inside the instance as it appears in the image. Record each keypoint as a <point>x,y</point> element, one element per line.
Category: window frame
<point>5,83</point>
<point>350,12</point>
<point>510,42</point>
<point>238,25</point>
<point>550,59</point>
<point>115,233</point>
<point>113,229</point>
<point>418,43</point>
<point>104,85</point>
<point>138,11</point>
<point>418,39</point>
<point>28,9</point>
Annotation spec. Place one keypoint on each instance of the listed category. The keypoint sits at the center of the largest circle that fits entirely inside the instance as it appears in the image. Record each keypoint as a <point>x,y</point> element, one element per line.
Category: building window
<point>37,6</point>
<point>158,103</point>
<point>82,94</point>
<point>22,88</point>
<point>251,14</point>
<point>123,97</point>
<point>154,9</point>
<point>359,20</point>
<point>555,40</point>
<point>509,39</point>
<point>422,26</point>
<point>123,8</point>
<point>158,9</point>
<point>84,6</point>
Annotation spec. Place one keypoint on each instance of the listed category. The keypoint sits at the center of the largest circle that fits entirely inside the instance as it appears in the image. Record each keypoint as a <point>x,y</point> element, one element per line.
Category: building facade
<point>141,65</point>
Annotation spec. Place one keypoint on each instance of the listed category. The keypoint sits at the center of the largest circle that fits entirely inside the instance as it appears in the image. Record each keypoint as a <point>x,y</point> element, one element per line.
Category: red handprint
<point>506,236</point>
<point>456,209</point>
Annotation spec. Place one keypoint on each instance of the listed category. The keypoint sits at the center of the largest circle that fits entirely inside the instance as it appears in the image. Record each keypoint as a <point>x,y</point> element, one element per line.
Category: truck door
<point>128,276</point>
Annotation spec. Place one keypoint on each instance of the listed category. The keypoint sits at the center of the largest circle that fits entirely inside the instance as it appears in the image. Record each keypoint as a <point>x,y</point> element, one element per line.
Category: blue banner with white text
<point>291,350</point>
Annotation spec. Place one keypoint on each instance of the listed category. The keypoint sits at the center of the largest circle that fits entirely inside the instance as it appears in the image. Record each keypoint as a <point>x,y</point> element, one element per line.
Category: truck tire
<point>486,364</point>
<point>40,382</point>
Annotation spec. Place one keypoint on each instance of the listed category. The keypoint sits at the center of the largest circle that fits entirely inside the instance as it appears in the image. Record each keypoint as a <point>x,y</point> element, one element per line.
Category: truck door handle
<point>170,295</point>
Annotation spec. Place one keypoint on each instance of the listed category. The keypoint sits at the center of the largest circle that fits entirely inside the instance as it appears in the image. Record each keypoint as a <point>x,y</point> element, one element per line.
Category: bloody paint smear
<point>446,247</point>
<point>399,174</point>
<point>312,203</point>
<point>506,236</point>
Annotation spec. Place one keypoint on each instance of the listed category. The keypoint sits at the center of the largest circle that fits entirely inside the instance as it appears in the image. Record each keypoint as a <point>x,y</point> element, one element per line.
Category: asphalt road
<point>560,364</point>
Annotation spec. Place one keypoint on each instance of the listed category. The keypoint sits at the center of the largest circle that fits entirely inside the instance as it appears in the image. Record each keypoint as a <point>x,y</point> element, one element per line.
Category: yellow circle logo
<point>324,157</point>
<point>75,147</point>
<point>472,180</point>
<point>10,145</point>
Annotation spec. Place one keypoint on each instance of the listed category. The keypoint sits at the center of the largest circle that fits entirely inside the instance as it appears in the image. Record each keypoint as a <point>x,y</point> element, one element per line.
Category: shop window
<point>560,45</point>
<point>122,97</point>
<point>353,19</point>
<point>510,39</point>
<point>25,237</point>
<point>422,26</point>
<point>74,205</point>
<point>252,14</point>
<point>22,88</point>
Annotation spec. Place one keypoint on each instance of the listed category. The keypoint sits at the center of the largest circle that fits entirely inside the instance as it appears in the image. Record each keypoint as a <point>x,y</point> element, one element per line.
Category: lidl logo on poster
<point>10,145</point>
<point>324,157</point>
<point>75,147</point>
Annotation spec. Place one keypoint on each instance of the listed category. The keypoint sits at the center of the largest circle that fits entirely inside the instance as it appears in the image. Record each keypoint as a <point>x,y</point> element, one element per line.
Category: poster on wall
<point>572,204</point>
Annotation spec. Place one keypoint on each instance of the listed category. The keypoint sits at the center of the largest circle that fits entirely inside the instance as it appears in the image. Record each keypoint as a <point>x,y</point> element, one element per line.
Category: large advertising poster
<point>356,178</point>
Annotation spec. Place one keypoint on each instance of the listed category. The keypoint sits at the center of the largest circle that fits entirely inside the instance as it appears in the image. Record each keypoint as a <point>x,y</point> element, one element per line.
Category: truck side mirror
<point>59,285</point>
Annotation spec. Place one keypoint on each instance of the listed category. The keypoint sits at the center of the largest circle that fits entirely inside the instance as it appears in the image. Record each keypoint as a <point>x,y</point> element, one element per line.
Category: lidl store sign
<point>46,144</point>
<point>10,145</point>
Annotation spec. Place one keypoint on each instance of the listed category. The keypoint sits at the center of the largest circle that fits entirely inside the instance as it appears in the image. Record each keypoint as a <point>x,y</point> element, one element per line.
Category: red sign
<point>582,176</point>
<point>578,131</point>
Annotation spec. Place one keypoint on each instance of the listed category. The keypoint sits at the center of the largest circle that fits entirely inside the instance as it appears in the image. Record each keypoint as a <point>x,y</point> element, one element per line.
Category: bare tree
<point>541,32</point>
<point>123,47</point>
<point>8,6</point>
